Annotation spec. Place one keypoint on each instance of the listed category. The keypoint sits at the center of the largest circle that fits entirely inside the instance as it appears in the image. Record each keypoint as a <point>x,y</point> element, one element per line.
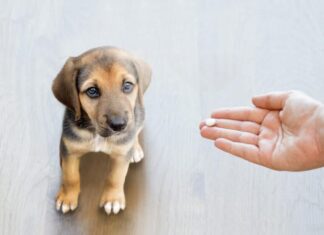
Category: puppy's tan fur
<point>85,127</point>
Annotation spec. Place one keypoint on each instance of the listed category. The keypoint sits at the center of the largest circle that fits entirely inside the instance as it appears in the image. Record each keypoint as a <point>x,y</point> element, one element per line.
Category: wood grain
<point>205,55</point>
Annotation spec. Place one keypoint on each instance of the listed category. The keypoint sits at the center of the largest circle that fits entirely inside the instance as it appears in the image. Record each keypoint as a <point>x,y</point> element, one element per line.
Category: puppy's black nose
<point>117,123</point>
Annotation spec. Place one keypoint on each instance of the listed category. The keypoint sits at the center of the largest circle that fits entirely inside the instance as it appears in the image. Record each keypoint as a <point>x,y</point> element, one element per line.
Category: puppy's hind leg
<point>138,153</point>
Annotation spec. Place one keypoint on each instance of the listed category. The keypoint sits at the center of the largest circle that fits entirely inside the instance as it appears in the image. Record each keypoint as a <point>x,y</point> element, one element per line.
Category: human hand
<point>284,131</point>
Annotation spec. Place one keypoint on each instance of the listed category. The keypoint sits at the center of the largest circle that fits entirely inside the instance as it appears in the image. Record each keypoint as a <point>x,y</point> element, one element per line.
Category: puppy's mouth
<point>107,132</point>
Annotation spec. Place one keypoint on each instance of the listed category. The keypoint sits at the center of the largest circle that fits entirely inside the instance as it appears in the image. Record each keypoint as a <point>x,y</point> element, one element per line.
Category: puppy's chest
<point>101,144</point>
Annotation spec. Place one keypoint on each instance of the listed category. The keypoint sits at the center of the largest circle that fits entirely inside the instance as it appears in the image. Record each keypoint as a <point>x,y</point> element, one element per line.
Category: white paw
<point>113,201</point>
<point>66,202</point>
<point>138,155</point>
<point>114,207</point>
<point>65,206</point>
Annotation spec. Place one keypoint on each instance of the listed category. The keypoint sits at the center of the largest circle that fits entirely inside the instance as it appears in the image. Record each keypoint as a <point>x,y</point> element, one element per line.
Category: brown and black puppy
<point>103,92</point>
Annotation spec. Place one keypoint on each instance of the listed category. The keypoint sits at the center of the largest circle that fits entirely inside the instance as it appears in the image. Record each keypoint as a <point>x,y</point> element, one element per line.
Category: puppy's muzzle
<point>117,123</point>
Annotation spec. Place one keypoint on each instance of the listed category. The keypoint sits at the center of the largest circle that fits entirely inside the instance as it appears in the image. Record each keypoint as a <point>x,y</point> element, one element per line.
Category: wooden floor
<point>205,55</point>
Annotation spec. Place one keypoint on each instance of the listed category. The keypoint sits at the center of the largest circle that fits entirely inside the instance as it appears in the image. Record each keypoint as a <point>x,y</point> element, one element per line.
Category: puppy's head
<point>106,85</point>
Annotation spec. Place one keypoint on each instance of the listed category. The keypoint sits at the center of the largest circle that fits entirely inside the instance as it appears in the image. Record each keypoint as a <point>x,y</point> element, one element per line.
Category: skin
<point>284,131</point>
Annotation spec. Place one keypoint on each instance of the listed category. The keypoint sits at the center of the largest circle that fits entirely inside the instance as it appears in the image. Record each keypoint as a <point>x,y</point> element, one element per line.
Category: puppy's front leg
<point>113,197</point>
<point>67,197</point>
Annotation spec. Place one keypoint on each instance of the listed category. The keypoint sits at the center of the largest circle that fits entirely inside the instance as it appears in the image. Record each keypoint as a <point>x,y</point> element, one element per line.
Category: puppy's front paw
<point>113,201</point>
<point>67,200</point>
<point>138,154</point>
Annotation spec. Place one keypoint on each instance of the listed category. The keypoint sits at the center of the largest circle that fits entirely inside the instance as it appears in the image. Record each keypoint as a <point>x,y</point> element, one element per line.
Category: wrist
<point>320,128</point>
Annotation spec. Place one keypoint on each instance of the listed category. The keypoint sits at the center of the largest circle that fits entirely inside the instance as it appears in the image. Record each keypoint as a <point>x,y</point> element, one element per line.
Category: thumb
<point>271,101</point>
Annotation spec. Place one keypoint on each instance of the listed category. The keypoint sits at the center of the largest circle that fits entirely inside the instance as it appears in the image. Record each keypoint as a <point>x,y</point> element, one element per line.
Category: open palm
<point>279,133</point>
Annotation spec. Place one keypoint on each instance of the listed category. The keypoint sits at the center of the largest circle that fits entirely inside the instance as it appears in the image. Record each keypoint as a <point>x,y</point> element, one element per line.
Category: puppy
<point>102,90</point>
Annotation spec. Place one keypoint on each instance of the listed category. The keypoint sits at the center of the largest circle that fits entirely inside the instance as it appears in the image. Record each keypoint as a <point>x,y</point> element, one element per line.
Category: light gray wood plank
<point>205,54</point>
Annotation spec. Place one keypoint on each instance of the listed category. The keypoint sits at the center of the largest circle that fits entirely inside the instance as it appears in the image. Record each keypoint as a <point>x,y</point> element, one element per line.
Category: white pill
<point>210,122</point>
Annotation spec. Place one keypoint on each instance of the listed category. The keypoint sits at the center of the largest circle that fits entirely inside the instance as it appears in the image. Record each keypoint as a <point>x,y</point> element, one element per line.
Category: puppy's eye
<point>93,92</point>
<point>128,87</point>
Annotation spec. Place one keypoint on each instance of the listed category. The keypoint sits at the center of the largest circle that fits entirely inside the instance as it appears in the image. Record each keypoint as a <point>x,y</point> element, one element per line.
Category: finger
<point>202,124</point>
<point>241,114</point>
<point>214,133</point>
<point>244,126</point>
<point>207,122</point>
<point>246,151</point>
<point>272,101</point>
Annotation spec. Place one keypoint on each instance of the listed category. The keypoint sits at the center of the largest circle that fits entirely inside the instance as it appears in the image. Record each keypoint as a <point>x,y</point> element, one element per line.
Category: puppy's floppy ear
<point>144,74</point>
<point>65,87</point>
